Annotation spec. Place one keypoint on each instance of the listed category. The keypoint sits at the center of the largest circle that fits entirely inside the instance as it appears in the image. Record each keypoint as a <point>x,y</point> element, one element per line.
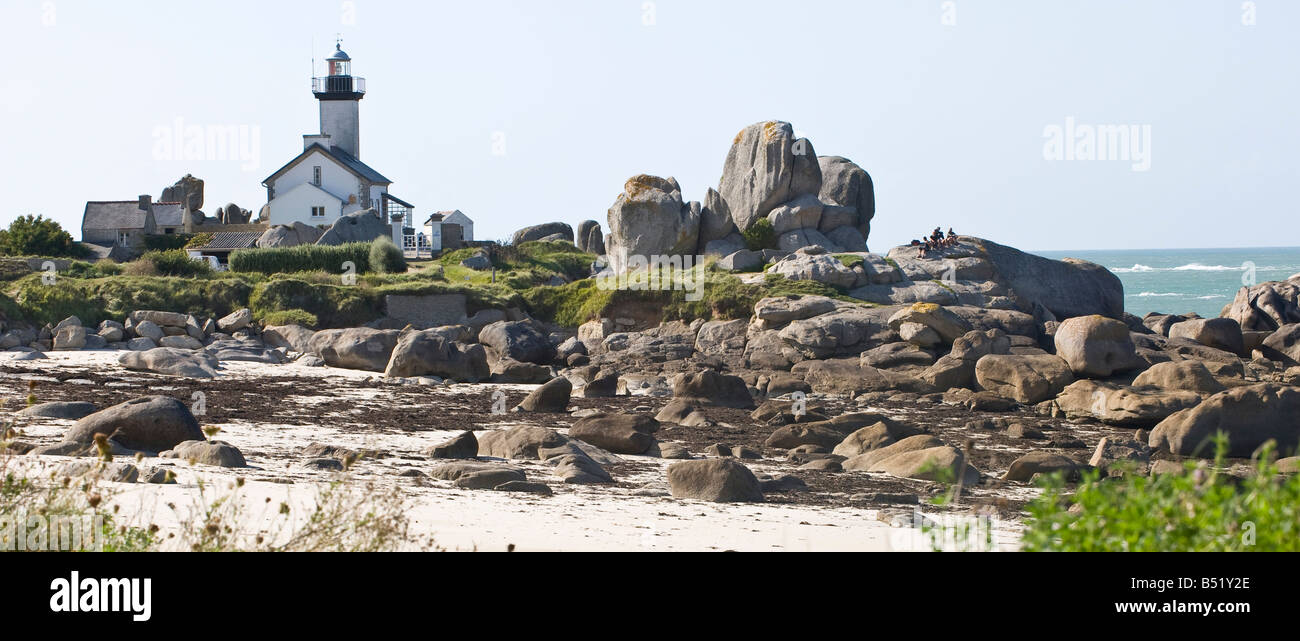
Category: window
<point>170,230</point>
<point>315,176</point>
<point>124,238</point>
<point>317,212</point>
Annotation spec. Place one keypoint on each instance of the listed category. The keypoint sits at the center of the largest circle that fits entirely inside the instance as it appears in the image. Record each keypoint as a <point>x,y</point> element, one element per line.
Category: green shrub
<point>761,235</point>
<point>385,257</point>
<point>198,240</point>
<point>290,317</point>
<point>98,299</point>
<point>175,262</point>
<point>333,306</point>
<point>39,236</point>
<point>1199,509</point>
<point>303,258</point>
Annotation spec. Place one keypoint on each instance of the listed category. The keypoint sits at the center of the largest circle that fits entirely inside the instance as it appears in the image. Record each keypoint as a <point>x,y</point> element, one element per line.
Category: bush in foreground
<point>1201,509</point>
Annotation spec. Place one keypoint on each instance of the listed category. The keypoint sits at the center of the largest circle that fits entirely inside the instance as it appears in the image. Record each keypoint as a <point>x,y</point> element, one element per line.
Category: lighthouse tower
<point>340,97</point>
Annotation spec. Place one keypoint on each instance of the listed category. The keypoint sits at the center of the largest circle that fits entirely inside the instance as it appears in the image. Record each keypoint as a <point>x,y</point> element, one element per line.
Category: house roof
<point>118,214</point>
<point>232,240</point>
<point>343,158</point>
<point>168,214</point>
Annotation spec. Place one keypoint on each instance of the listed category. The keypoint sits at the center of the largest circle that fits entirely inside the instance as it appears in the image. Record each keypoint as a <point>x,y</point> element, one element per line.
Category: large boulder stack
<point>557,231</point>
<point>187,191</point>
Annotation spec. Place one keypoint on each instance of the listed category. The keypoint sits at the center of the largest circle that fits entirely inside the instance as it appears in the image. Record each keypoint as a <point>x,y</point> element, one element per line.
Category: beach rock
<point>477,476</point>
<point>1283,345</point>
<point>357,227</point>
<point>1027,379</point>
<point>710,389</point>
<point>1219,333</point>
<point>792,436</point>
<point>551,397</point>
<point>236,321</point>
<point>1121,405</point>
<point>780,311</point>
<point>510,371</point>
<point>357,348</point>
<point>148,424</point>
<point>72,337</point>
<point>1190,376</point>
<point>161,319</point>
<point>618,433</point>
<point>845,332</point>
<point>942,464</point>
<point>1111,451</point>
<point>214,453</point>
<point>519,443</point>
<point>867,460</point>
<point>1096,346</point>
<point>720,480</point>
<point>111,472</point>
<point>1024,468</point>
<point>180,342</point>
<point>872,438</point>
<point>524,487</point>
<point>538,232</point>
<point>295,338</point>
<point>172,362</point>
<point>463,446</point>
<point>520,340</point>
<point>141,344</point>
<point>249,351</point>
<point>67,410</point>
<point>430,353</point>
<point>1249,415</point>
<point>893,355</point>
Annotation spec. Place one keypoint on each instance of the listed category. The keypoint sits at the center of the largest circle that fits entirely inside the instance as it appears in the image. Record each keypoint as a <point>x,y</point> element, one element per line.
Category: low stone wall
<point>435,311</point>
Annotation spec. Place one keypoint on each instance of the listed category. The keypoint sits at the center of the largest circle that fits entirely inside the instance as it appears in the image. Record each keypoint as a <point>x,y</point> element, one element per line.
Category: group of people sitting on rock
<point>935,242</point>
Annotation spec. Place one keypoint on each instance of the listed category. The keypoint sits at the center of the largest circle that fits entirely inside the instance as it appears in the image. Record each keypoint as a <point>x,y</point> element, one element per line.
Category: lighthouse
<point>328,180</point>
<point>340,97</point>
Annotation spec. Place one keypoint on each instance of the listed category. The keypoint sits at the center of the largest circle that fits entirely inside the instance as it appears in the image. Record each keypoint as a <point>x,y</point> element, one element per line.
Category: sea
<point>1178,281</point>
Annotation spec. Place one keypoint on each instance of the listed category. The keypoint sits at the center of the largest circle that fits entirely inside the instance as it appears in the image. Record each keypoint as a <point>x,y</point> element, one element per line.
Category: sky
<point>971,114</point>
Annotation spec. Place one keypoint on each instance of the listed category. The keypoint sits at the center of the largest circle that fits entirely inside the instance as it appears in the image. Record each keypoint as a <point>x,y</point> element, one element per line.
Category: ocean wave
<point>1211,297</point>
<point>1157,295</point>
<point>1136,268</point>
<point>1197,267</point>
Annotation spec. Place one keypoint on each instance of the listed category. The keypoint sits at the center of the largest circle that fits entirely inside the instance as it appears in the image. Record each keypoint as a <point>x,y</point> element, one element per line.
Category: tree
<point>39,236</point>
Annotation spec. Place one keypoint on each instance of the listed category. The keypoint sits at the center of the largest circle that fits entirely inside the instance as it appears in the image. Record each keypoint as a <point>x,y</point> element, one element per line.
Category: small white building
<point>447,229</point>
<point>328,180</point>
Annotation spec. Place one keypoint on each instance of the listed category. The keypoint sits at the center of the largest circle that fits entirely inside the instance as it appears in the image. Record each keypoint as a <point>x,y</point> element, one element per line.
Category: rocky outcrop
<point>1267,306</point>
<point>1283,345</point>
<point>1123,405</point>
<point>590,238</point>
<point>1249,416</point>
<point>519,340</point>
<point>431,353</point>
<point>650,219</point>
<point>982,273</point>
<point>187,191</point>
<point>1219,333</point>
<point>358,348</point>
<point>539,232</point>
<point>357,227</point>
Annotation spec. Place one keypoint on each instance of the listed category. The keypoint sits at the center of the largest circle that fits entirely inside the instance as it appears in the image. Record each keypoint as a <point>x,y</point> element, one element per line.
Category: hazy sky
<point>525,112</point>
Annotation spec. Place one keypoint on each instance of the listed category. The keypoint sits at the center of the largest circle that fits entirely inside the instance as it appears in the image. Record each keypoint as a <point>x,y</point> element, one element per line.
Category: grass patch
<point>112,298</point>
<point>303,258</point>
<point>850,260</point>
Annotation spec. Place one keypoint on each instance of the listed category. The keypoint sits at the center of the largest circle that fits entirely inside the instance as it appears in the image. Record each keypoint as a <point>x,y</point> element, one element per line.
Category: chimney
<point>146,202</point>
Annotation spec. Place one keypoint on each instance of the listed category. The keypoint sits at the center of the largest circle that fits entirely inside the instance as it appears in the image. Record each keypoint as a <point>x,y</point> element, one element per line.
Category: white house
<point>328,180</point>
